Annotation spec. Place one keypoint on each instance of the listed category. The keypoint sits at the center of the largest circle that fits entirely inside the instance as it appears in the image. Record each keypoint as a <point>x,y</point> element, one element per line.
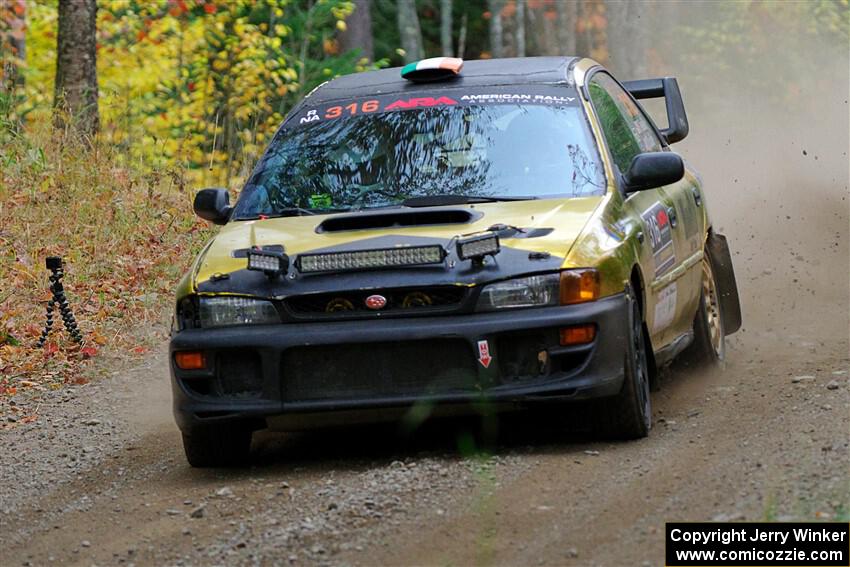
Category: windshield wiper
<point>442,200</point>
<point>291,212</point>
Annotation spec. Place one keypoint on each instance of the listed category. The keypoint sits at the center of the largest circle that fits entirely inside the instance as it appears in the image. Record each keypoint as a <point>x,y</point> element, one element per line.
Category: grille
<point>353,303</point>
<point>378,370</point>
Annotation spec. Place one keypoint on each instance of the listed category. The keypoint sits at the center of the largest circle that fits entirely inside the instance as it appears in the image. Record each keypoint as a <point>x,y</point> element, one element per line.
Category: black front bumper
<point>265,371</point>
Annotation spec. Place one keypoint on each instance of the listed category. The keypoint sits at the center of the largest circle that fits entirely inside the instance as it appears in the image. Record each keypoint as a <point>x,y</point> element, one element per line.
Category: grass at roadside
<point>126,236</point>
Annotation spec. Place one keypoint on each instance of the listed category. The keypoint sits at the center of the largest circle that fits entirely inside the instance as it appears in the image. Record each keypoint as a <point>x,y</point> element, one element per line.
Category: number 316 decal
<point>352,109</point>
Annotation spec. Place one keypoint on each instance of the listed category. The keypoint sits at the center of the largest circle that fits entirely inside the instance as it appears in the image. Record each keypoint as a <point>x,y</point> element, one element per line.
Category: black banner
<point>761,544</point>
<point>443,97</point>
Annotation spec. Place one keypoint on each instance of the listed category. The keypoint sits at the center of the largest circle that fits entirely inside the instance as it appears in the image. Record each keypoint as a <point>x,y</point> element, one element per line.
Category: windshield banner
<point>518,95</point>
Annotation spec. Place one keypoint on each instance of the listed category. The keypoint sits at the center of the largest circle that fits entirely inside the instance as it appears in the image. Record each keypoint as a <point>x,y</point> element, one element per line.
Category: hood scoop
<point>397,218</point>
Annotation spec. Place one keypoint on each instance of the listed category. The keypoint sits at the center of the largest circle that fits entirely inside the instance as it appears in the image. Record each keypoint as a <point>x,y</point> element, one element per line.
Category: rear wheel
<point>218,445</point>
<point>709,346</point>
<point>628,415</point>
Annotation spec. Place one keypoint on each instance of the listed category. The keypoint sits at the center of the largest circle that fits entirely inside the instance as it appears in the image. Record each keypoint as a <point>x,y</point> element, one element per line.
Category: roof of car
<point>478,73</point>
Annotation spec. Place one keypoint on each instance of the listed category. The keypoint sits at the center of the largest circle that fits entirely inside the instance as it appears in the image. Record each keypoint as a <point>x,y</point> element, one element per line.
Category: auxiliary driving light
<point>478,246</point>
<point>370,259</point>
<point>270,262</point>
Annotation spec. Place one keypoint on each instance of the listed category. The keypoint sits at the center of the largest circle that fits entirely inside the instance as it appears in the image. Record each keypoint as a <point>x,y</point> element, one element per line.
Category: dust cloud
<point>770,139</point>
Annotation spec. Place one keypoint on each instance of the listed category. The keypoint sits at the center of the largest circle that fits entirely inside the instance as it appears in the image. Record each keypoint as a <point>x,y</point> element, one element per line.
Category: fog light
<point>478,246</point>
<point>578,335</point>
<point>190,360</point>
<point>271,263</point>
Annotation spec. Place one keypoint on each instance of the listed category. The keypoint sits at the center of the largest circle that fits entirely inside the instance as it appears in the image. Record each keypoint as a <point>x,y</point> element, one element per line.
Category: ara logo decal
<point>660,237</point>
<point>484,353</point>
<point>311,117</point>
<point>420,102</point>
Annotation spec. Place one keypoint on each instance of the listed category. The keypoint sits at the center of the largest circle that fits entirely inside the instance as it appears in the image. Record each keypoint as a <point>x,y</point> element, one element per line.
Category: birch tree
<point>358,30</point>
<point>409,30</point>
<point>446,27</point>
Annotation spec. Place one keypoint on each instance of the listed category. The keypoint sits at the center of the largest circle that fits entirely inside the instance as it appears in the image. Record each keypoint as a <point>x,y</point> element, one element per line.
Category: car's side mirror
<point>653,169</point>
<point>213,205</point>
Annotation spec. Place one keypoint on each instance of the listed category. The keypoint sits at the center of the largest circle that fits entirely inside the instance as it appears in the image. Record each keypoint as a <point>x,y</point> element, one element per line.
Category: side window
<point>627,131</point>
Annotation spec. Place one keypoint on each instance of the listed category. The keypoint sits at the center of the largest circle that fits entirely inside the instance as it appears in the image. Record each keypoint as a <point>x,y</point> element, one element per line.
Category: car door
<point>669,221</point>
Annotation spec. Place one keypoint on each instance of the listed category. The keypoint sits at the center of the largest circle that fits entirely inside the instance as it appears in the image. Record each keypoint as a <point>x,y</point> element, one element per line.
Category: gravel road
<point>100,479</point>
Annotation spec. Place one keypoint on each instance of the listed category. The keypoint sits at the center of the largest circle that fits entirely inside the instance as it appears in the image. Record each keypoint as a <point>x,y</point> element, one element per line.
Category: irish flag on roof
<point>434,69</point>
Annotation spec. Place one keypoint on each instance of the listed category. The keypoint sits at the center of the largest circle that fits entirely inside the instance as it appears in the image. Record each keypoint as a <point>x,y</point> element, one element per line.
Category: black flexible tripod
<point>54,264</point>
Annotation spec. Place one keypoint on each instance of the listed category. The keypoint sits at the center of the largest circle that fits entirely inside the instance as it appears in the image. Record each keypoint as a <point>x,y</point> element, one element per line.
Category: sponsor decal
<point>660,237</point>
<point>421,102</point>
<point>312,116</point>
<point>516,97</point>
<point>665,308</point>
<point>484,353</point>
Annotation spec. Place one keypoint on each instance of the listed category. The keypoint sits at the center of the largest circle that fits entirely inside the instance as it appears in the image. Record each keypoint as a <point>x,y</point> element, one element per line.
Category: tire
<point>709,346</point>
<point>218,446</point>
<point>628,415</point>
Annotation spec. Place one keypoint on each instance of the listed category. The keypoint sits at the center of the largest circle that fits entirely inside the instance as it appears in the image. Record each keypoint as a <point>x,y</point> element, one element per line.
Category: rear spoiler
<point>668,88</point>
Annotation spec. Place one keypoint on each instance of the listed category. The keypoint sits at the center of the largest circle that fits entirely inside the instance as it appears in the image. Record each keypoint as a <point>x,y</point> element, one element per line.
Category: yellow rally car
<point>511,231</point>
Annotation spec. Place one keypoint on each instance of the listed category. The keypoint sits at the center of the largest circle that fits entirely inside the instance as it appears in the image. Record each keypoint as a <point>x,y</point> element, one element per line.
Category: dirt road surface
<point>100,478</point>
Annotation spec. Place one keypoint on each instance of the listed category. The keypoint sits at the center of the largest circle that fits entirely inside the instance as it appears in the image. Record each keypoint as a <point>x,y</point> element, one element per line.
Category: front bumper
<point>311,368</point>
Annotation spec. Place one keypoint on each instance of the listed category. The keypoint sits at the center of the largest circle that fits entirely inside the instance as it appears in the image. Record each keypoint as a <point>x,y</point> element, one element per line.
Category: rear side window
<point>627,131</point>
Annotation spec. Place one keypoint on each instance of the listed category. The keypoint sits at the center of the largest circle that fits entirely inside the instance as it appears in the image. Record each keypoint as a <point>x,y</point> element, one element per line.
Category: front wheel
<point>224,445</point>
<point>709,346</point>
<point>628,415</point>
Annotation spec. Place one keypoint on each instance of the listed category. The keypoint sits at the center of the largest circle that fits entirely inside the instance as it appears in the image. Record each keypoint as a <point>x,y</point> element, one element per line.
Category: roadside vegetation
<point>125,235</point>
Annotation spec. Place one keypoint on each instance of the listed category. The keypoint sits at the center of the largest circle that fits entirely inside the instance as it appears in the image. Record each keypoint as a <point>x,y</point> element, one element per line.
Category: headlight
<point>534,291</point>
<point>564,288</point>
<point>227,311</point>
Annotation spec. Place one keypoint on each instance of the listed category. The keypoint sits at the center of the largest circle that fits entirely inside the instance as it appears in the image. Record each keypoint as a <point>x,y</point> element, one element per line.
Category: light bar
<point>271,263</point>
<point>478,246</point>
<point>370,259</point>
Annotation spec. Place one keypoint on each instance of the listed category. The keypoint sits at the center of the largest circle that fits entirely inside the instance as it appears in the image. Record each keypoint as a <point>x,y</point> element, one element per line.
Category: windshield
<point>360,161</point>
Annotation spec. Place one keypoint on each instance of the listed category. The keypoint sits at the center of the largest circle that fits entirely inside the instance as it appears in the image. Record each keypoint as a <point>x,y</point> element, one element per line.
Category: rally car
<point>494,234</point>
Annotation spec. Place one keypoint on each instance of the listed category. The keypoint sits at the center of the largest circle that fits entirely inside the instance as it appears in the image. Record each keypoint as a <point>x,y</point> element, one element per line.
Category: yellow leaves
<point>220,65</point>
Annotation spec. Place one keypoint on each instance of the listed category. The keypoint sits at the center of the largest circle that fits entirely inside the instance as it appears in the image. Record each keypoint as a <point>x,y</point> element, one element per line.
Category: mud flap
<point>724,274</point>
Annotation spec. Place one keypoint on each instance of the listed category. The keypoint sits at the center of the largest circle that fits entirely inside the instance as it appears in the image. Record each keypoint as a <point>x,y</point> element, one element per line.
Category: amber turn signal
<point>190,360</point>
<point>578,286</point>
<point>578,335</point>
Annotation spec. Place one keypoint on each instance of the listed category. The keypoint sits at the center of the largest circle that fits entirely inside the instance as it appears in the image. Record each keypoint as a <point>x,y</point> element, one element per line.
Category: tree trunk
<point>519,33</point>
<point>75,98</point>
<point>628,38</point>
<point>13,48</point>
<point>461,38</point>
<point>358,33</point>
<point>408,29</point>
<point>496,42</point>
<point>446,27</point>
<point>567,16</point>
